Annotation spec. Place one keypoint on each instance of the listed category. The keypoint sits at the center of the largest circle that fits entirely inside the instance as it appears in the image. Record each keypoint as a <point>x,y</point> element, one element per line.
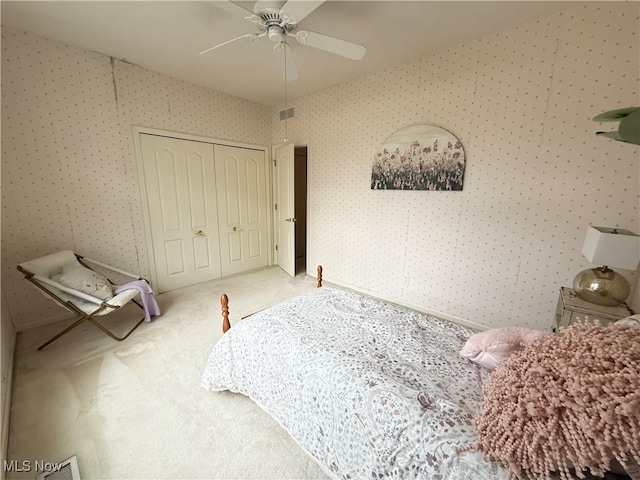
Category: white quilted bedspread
<point>370,389</point>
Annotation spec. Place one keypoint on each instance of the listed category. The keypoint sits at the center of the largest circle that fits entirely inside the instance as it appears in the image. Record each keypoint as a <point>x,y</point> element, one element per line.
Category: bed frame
<point>224,303</point>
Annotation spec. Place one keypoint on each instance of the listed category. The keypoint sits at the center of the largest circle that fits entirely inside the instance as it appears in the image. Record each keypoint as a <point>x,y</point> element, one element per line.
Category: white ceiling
<point>167,36</point>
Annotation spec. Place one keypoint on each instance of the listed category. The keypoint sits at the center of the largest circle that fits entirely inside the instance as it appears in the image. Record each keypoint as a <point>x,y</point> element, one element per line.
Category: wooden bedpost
<point>224,301</point>
<point>319,284</point>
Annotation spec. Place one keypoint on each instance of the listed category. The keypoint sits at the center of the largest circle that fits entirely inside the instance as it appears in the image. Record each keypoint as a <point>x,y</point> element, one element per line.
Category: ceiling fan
<point>279,23</point>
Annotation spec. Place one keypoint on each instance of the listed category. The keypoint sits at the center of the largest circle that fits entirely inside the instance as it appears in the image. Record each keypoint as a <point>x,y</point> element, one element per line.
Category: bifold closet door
<point>180,184</point>
<point>242,208</point>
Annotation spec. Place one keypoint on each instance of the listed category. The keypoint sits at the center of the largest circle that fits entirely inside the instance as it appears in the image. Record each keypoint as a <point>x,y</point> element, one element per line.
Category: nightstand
<point>571,308</point>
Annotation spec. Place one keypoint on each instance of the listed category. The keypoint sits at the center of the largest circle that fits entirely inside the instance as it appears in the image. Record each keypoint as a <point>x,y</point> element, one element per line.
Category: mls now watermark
<point>29,466</point>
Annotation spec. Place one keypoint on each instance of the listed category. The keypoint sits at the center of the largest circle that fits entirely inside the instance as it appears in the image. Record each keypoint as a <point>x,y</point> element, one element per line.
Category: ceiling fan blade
<point>347,49</point>
<point>285,62</point>
<point>263,4</point>
<point>252,36</point>
<point>234,9</point>
<point>296,10</point>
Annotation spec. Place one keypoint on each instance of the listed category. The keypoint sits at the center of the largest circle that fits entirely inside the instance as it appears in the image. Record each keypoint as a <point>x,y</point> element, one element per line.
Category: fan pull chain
<point>286,103</point>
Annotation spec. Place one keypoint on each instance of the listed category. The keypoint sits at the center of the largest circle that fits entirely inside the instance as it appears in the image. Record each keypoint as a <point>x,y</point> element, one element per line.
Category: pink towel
<point>149,303</point>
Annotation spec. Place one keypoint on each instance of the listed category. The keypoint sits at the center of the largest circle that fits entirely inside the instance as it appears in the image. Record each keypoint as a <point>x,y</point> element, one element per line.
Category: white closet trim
<point>141,130</point>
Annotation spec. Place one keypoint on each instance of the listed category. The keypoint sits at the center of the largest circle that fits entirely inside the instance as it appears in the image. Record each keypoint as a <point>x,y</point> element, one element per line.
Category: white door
<point>180,184</point>
<point>285,213</point>
<point>243,210</point>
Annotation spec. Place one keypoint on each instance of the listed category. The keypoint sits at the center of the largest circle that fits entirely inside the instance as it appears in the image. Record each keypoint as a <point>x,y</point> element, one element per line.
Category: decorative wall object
<point>419,157</point>
<point>521,101</point>
<point>628,128</point>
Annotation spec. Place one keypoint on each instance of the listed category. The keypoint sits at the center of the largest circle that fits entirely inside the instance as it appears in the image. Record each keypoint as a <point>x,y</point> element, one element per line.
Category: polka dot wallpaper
<point>521,101</point>
<point>69,172</point>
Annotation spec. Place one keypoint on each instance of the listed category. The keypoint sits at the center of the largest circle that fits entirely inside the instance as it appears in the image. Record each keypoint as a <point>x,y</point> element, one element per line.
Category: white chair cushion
<point>87,303</point>
<point>50,265</point>
<point>85,280</point>
<point>49,270</point>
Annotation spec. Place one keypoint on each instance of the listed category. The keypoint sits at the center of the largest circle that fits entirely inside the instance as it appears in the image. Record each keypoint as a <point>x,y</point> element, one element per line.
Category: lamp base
<point>601,286</point>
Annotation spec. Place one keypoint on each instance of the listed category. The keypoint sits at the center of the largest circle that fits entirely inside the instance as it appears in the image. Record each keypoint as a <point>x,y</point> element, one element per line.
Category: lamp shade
<point>612,247</point>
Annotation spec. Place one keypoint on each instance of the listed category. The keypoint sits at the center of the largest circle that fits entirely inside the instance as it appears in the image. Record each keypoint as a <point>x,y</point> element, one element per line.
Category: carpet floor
<point>135,409</point>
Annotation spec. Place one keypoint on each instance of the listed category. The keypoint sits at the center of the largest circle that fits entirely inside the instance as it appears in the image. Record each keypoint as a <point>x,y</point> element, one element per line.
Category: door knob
<point>291,220</point>
<point>235,229</point>
<point>199,233</point>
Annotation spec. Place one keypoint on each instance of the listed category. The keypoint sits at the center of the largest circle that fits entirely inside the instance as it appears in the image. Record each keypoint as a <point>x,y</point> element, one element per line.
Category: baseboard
<point>419,308</point>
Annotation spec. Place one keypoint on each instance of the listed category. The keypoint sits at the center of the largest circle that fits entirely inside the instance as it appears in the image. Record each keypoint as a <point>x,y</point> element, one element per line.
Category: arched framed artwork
<point>419,157</point>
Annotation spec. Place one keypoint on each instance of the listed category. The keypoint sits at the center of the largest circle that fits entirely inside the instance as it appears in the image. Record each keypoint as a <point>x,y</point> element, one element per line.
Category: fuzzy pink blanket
<point>569,401</point>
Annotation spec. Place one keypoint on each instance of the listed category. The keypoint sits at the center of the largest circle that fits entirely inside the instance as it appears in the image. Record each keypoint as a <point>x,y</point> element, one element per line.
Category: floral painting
<point>419,157</point>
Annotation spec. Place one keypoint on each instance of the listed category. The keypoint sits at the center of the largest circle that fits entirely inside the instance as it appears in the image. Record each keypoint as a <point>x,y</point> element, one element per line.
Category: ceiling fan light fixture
<point>275,34</point>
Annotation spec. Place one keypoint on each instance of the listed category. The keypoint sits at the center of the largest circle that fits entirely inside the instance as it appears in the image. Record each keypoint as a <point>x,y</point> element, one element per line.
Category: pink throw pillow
<point>490,347</point>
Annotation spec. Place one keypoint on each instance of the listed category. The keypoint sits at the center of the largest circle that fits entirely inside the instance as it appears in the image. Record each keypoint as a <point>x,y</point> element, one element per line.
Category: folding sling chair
<point>69,280</point>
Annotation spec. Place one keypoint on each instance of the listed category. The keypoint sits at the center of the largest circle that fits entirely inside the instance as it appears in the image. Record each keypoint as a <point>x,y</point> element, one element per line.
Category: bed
<point>368,388</point>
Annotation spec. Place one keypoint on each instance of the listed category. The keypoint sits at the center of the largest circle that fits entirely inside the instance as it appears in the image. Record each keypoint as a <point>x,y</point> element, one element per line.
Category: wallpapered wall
<point>521,102</point>
<point>68,164</point>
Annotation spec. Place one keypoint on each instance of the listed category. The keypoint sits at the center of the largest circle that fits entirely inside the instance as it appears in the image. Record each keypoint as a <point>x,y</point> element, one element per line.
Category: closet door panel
<point>242,198</point>
<point>180,186</point>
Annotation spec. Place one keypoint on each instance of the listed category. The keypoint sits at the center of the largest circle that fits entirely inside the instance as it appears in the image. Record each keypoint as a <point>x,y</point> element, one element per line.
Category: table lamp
<point>610,247</point>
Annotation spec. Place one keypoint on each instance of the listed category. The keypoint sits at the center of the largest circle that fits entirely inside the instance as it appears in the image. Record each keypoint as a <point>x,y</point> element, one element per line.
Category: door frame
<point>137,145</point>
<point>274,188</point>
<point>281,244</point>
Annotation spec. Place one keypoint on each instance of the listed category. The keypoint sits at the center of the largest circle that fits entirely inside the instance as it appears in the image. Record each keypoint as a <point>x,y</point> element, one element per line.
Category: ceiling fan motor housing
<point>271,21</point>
